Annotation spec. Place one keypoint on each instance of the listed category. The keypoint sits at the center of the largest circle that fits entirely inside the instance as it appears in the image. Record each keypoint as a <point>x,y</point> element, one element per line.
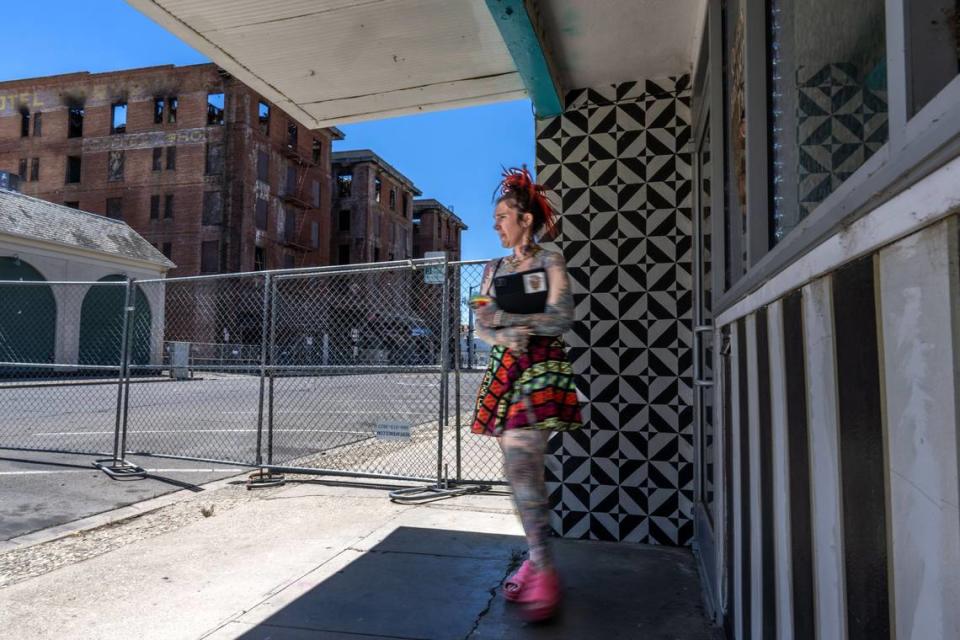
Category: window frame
<point>79,174</point>
<point>74,127</point>
<point>114,129</point>
<point>915,147</point>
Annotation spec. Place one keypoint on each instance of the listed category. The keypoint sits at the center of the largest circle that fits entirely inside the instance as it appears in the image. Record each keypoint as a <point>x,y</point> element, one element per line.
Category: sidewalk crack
<point>515,559</point>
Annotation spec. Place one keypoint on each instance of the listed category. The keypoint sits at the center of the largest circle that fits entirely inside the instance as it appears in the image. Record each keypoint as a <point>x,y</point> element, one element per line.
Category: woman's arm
<point>557,315</point>
<point>514,337</point>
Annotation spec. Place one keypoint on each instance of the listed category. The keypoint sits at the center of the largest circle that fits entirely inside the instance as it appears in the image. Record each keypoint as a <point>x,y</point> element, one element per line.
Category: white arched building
<point>43,241</point>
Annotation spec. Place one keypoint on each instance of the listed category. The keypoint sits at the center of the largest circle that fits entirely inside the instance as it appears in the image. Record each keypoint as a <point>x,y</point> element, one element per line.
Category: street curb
<point>110,517</point>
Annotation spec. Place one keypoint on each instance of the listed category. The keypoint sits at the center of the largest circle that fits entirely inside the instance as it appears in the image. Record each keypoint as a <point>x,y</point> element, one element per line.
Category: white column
<point>739,624</point>
<point>820,353</point>
<point>756,506</point>
<point>919,305</point>
<point>781,473</point>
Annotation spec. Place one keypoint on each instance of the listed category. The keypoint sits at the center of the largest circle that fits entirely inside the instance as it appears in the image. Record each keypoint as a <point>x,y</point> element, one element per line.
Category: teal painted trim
<point>528,54</point>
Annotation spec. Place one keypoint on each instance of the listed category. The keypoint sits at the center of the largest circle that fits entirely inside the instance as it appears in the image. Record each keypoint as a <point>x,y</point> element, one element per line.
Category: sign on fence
<point>393,430</point>
<point>433,274</point>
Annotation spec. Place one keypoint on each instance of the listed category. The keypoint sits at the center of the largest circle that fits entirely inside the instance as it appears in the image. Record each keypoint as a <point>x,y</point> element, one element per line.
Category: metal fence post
<point>118,466</point>
<point>263,366</point>
<point>456,364</point>
<point>272,372</point>
<point>117,453</point>
<point>444,366</point>
<point>128,329</point>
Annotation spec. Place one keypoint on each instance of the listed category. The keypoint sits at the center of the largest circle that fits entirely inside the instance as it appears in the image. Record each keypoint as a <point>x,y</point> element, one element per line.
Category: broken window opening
<point>344,184</point>
<point>158,105</point>
<point>24,124</point>
<point>157,158</point>
<point>167,250</point>
<point>168,206</point>
<point>214,108</point>
<point>172,104</point>
<point>23,170</point>
<point>73,170</point>
<point>317,151</point>
<point>37,124</point>
<point>343,256</point>
<point>155,207</point>
<point>259,259</point>
<point>393,199</point>
<point>75,122</point>
<point>35,169</point>
<point>263,116</point>
<point>344,220</point>
<point>118,117</point>
<point>171,158</point>
<point>292,134</point>
<point>377,187</point>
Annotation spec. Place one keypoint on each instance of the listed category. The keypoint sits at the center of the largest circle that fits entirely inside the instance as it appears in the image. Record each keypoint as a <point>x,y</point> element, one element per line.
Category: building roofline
<point>431,203</point>
<point>88,75</point>
<point>367,155</point>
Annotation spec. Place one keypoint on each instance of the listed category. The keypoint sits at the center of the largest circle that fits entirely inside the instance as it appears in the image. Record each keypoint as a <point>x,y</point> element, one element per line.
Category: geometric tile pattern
<point>842,121</point>
<point>618,160</point>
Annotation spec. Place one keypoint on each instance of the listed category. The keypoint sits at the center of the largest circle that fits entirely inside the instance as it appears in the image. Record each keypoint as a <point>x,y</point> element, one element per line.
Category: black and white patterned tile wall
<point>618,160</point>
<point>842,121</point>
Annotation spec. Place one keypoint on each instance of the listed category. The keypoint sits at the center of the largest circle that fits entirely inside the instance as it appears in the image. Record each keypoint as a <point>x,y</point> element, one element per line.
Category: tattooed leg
<point>523,454</point>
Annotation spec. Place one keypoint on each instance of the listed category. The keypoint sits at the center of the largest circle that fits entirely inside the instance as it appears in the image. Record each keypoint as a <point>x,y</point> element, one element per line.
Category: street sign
<point>433,274</point>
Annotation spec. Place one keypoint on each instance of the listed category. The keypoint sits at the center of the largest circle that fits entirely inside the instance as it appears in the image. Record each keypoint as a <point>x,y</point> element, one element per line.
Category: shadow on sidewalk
<point>444,585</point>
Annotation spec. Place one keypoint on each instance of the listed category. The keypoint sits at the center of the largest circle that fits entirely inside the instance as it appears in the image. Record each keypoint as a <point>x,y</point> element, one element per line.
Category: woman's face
<point>509,225</point>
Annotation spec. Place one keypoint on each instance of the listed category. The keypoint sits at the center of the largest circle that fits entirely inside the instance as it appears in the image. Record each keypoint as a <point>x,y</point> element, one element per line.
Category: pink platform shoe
<point>513,586</point>
<point>540,595</point>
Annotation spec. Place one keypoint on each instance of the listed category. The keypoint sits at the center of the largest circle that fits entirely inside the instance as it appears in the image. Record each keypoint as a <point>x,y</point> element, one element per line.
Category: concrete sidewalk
<point>332,561</point>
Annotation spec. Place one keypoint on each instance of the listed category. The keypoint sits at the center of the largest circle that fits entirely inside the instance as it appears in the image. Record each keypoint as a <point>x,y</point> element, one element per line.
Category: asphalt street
<point>213,418</point>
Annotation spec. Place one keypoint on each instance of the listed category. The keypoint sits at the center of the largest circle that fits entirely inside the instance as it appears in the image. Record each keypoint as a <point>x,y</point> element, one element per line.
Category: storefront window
<point>827,100</point>
<point>933,33</point>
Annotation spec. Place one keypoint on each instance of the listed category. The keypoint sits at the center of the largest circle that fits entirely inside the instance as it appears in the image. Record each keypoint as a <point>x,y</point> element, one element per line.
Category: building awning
<point>330,62</point>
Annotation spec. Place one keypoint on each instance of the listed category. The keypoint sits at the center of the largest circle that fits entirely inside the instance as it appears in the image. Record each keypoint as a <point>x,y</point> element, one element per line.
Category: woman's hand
<point>486,313</point>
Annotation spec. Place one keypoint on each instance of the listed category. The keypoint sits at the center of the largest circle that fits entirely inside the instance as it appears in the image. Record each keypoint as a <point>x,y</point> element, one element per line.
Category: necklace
<point>526,251</point>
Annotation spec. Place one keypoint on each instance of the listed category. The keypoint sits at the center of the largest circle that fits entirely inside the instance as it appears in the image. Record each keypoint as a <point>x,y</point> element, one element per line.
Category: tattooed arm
<point>557,315</point>
<point>513,337</point>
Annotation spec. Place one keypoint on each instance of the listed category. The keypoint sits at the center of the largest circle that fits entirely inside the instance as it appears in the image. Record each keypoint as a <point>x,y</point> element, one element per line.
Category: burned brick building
<point>436,228</point>
<point>208,171</point>
<point>373,209</point>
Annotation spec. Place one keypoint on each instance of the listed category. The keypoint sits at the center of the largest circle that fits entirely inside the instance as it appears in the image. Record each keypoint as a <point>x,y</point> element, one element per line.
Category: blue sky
<point>454,156</point>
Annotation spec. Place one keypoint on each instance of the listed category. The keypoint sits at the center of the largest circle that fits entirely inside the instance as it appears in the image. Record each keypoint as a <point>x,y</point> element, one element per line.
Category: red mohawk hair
<point>518,185</point>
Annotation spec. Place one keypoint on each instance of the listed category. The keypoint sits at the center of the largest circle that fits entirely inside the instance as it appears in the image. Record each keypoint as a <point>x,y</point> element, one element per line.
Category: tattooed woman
<point>524,308</point>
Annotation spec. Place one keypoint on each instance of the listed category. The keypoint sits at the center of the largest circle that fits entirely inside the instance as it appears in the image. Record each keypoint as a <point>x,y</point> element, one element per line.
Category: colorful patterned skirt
<point>532,391</point>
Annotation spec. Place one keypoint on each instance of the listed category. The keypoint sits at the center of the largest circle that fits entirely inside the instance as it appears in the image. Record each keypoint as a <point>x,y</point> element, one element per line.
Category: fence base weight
<point>265,478</point>
<point>120,469</point>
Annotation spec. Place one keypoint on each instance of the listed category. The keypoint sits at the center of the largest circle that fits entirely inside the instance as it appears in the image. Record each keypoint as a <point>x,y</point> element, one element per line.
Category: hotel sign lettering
<point>145,140</point>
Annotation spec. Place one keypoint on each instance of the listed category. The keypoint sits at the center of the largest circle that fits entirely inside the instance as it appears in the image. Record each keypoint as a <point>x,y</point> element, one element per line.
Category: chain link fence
<point>61,358</point>
<point>367,370</point>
